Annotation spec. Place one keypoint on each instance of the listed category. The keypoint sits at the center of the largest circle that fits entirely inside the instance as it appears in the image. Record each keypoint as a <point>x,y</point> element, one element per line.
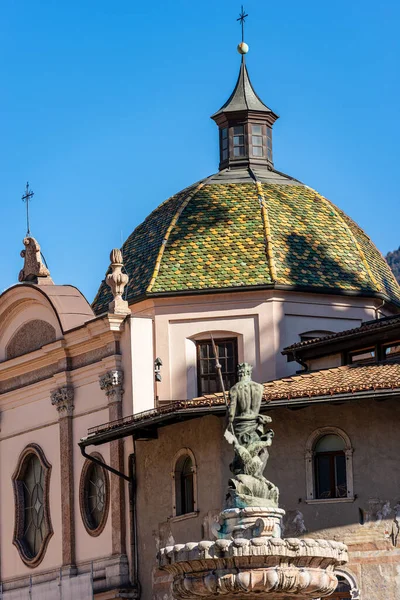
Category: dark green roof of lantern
<point>240,229</point>
<point>243,97</point>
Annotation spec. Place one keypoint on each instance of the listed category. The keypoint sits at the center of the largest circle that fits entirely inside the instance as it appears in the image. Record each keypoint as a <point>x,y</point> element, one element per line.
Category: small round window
<point>94,496</point>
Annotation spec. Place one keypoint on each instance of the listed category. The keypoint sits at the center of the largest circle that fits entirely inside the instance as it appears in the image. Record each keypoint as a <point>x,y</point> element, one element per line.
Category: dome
<point>251,229</point>
<point>250,226</point>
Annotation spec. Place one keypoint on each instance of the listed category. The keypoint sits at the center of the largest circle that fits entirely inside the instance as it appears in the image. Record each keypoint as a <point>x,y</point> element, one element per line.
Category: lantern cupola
<point>245,125</point>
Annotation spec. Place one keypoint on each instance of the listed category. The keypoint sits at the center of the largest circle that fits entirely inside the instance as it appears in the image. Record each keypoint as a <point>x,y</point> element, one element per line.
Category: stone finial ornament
<point>116,280</point>
<point>33,270</point>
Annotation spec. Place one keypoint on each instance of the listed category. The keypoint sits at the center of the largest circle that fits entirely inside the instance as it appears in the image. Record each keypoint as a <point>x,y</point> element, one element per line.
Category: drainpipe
<point>301,362</point>
<point>102,464</point>
<point>133,515</point>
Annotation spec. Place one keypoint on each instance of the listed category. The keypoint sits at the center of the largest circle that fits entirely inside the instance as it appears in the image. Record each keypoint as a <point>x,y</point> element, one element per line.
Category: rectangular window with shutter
<point>207,375</point>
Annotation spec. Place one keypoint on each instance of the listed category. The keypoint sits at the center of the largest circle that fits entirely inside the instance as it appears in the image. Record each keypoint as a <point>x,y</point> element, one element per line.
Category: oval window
<point>94,496</point>
<point>32,520</point>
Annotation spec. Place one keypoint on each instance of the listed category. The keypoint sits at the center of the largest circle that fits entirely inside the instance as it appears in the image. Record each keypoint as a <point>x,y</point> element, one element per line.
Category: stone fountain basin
<point>274,568</point>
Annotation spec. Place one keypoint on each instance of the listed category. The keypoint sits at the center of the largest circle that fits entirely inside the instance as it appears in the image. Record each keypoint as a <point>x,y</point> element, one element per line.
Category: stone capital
<point>111,383</point>
<point>63,399</point>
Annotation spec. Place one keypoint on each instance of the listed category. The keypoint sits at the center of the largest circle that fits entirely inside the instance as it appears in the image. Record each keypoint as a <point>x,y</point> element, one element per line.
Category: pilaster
<point>63,399</point>
<point>112,384</point>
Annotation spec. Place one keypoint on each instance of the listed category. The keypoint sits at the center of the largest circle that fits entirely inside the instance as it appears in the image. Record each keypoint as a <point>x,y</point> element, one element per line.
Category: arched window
<point>329,467</point>
<point>94,496</point>
<point>347,586</point>
<point>33,528</point>
<point>343,590</point>
<point>185,484</point>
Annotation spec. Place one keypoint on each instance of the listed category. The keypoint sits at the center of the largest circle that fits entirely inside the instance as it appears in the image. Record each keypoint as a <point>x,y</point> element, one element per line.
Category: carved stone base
<point>269,568</point>
<point>249,522</point>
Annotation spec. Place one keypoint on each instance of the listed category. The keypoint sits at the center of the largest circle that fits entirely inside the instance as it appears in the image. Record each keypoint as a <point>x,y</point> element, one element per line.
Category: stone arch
<point>30,336</point>
<point>352,581</point>
<point>309,463</point>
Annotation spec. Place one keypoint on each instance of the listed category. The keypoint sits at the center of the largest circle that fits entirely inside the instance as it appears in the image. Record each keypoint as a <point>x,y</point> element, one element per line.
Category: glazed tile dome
<point>250,229</point>
<point>250,226</point>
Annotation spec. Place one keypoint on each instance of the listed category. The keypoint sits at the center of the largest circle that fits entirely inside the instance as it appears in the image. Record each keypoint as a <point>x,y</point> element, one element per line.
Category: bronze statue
<point>247,431</point>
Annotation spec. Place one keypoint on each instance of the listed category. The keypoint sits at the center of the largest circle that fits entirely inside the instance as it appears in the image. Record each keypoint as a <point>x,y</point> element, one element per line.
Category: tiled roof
<point>329,382</point>
<point>349,379</point>
<point>243,97</point>
<point>339,380</point>
<point>367,327</point>
<point>220,235</point>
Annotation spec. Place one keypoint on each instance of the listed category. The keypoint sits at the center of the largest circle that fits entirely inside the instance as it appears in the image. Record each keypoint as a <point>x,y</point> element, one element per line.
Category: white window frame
<point>352,581</point>
<point>178,455</point>
<point>309,464</point>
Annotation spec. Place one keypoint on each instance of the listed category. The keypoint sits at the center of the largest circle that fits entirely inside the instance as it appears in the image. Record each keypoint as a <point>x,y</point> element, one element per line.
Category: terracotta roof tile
<point>329,382</point>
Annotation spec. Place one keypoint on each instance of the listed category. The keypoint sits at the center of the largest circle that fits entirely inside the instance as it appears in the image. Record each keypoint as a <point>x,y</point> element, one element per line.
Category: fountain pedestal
<point>259,564</point>
<point>249,558</point>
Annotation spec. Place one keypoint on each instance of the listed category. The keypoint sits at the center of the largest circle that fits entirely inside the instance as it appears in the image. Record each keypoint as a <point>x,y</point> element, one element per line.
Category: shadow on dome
<point>309,264</point>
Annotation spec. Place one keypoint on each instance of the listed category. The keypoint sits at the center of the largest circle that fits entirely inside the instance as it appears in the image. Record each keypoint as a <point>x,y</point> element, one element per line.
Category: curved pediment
<point>33,316</point>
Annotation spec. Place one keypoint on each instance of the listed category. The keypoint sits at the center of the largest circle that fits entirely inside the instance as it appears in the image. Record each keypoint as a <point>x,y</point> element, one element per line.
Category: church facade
<point>112,414</point>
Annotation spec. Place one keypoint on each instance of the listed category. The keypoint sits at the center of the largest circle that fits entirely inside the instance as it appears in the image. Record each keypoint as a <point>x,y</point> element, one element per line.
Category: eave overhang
<point>144,426</point>
<point>344,343</point>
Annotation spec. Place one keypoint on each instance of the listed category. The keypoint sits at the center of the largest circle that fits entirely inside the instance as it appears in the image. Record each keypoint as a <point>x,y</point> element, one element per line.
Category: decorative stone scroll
<point>111,383</point>
<point>33,265</point>
<point>63,400</point>
<point>116,280</point>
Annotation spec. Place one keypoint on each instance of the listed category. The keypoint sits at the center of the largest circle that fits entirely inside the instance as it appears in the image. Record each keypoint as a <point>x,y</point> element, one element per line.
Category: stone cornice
<point>63,399</point>
<point>91,336</point>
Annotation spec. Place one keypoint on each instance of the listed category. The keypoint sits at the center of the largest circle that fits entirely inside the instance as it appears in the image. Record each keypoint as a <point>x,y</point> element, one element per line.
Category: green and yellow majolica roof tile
<point>214,236</point>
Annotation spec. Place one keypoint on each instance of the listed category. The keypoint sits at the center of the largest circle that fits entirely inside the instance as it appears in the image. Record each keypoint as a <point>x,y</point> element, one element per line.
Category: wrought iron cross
<point>242,19</point>
<point>26,198</point>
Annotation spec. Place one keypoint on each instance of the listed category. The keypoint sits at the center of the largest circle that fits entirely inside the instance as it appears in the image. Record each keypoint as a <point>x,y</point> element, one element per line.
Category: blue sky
<point>105,109</point>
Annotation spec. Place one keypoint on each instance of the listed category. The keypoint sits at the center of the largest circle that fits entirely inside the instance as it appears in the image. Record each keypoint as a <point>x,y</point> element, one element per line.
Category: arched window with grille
<point>32,530</point>
<point>329,466</point>
<point>184,484</point>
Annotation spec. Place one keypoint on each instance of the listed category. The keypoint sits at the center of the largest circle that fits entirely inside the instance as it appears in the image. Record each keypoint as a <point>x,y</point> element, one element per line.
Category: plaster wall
<point>373,431</point>
<point>142,364</point>
<point>325,362</point>
<point>88,547</point>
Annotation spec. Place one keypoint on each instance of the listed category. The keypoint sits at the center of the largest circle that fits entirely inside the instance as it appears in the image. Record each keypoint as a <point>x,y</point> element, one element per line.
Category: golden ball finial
<point>243,48</point>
